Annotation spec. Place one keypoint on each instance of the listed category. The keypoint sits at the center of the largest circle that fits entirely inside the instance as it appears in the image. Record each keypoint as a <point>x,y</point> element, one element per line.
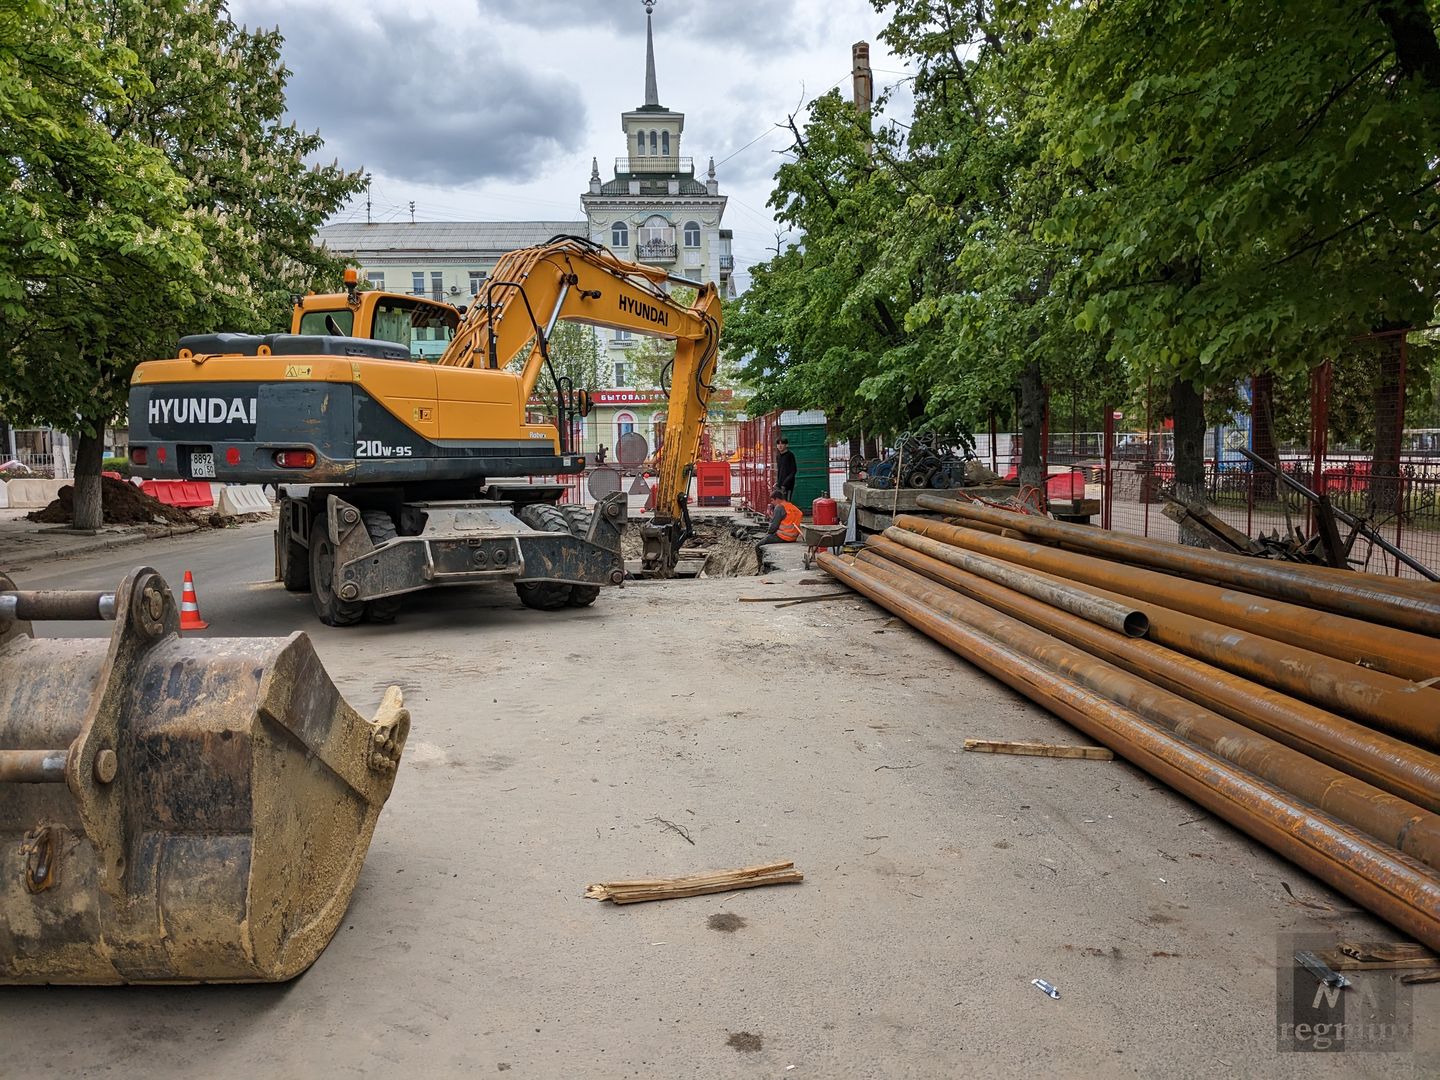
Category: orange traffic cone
<point>189,608</point>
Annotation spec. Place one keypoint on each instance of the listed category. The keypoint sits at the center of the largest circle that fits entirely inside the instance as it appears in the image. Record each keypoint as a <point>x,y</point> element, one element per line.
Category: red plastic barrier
<point>182,493</point>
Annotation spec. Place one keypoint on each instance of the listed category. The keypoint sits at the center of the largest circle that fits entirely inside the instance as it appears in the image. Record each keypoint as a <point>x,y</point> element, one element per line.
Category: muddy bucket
<point>175,809</point>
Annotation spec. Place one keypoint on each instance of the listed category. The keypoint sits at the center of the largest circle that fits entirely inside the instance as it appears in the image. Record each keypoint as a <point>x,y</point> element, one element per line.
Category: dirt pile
<point>730,556</point>
<point>122,503</point>
<point>725,555</point>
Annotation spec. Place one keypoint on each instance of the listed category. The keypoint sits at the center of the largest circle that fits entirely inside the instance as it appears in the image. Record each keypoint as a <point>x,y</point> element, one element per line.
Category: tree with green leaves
<point>1261,185</point>
<point>154,190</point>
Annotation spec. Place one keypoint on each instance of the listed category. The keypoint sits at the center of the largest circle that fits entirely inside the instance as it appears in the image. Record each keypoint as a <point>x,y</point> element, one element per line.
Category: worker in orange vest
<point>784,520</point>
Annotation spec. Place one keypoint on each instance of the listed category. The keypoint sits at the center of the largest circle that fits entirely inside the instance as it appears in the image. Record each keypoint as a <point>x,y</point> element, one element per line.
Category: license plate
<point>202,465</point>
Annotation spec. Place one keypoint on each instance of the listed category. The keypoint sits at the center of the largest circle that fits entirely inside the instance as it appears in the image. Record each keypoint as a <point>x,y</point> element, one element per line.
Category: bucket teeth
<point>177,809</point>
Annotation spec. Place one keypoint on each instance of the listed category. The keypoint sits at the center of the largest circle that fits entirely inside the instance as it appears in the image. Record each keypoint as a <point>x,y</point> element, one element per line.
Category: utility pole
<point>367,200</point>
<point>412,211</point>
<point>863,85</point>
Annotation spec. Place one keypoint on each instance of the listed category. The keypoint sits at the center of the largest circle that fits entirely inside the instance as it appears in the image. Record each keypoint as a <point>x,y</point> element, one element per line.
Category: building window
<point>620,235</point>
<point>692,234</point>
<point>417,283</point>
<point>665,143</point>
<point>376,279</point>
<point>437,285</point>
<point>622,335</point>
<point>477,282</point>
<point>624,425</point>
<point>640,143</point>
<point>654,144</point>
<point>657,232</point>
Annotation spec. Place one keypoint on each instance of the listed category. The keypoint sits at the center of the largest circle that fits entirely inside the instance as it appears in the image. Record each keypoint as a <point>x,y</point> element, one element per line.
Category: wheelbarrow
<point>820,538</point>
<point>175,809</point>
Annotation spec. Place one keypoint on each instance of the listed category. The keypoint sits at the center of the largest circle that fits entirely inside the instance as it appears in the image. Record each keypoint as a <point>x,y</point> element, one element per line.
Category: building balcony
<point>727,263</point>
<point>656,251</point>
<point>635,163</point>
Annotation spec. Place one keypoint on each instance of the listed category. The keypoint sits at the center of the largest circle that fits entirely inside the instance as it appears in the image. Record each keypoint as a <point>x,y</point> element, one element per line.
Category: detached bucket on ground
<point>175,810</point>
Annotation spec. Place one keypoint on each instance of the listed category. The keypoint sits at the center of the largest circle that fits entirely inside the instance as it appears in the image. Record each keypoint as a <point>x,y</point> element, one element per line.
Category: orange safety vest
<point>789,529</point>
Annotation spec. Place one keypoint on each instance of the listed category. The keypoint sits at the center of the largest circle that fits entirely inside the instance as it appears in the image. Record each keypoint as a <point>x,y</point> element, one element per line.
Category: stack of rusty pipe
<point>1301,704</point>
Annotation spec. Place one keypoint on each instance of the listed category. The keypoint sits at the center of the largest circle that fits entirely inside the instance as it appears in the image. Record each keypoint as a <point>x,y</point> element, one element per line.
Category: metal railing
<point>656,251</point>
<point>727,263</point>
<point>660,163</point>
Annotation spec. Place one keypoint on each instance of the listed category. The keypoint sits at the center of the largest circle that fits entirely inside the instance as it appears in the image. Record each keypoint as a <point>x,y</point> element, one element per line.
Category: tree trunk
<point>89,453</point>
<point>871,445</point>
<point>1262,433</point>
<point>1032,430</point>
<point>1187,405</point>
<point>1384,484</point>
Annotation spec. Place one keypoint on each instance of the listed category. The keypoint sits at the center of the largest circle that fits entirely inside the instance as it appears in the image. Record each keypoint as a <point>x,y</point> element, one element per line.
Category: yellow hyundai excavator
<point>397,474</point>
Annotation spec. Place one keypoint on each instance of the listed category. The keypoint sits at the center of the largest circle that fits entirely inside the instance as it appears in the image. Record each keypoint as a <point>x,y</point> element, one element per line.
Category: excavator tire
<point>332,610</point>
<point>381,527</point>
<point>544,595</point>
<point>175,809</point>
<point>579,519</point>
<point>293,562</point>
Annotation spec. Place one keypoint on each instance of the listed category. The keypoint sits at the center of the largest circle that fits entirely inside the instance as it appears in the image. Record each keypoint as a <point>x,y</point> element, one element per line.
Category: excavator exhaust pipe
<point>175,810</point>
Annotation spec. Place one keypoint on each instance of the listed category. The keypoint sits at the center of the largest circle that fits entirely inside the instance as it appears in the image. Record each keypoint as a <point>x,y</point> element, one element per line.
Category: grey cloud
<point>760,27</point>
<point>410,97</point>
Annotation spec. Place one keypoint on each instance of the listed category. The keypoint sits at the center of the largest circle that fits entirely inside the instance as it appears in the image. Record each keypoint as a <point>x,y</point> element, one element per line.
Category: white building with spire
<point>653,209</point>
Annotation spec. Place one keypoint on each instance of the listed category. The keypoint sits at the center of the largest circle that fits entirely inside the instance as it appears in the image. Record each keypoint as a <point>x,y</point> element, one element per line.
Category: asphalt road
<point>938,884</point>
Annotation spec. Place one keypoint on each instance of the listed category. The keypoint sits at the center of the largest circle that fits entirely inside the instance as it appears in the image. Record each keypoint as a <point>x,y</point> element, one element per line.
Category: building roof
<point>652,185</point>
<point>478,236</point>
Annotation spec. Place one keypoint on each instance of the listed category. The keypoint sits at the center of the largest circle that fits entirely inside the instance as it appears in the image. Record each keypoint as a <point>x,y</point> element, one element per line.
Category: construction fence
<point>1362,429</point>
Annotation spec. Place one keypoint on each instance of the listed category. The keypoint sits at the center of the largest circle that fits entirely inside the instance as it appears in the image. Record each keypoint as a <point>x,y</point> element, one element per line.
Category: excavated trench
<point>712,552</point>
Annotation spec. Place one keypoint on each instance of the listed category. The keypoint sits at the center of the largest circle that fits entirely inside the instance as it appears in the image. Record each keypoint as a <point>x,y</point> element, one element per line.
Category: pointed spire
<point>652,90</point>
<point>595,168</point>
<point>712,166</point>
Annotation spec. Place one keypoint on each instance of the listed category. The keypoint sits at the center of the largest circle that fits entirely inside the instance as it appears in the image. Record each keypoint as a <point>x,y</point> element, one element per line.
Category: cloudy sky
<point>492,109</point>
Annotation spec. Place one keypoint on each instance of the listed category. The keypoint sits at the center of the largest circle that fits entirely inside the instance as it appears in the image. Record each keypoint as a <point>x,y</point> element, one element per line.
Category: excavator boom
<point>573,279</point>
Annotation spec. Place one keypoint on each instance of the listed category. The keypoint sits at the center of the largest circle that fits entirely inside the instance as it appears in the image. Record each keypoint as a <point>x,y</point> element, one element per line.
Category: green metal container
<point>811,447</point>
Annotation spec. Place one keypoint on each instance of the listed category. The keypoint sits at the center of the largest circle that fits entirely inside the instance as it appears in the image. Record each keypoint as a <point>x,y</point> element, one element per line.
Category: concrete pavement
<point>549,751</point>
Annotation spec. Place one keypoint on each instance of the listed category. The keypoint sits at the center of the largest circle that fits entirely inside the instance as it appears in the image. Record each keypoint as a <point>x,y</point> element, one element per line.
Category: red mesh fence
<point>1362,429</point>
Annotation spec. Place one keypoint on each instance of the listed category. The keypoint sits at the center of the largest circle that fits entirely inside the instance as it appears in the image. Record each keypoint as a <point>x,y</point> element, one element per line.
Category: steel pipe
<point>1392,885</point>
<point>1364,596</point>
<point>1389,819</point>
<point>1122,618</point>
<point>1379,648</point>
<point>35,605</point>
<point>33,766</point>
<point>1383,701</point>
<point>1386,762</point>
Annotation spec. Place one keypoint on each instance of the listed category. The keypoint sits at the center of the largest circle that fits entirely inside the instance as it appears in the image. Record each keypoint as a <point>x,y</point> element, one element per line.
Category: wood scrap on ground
<point>788,601</point>
<point>1030,749</point>
<point>712,881</point>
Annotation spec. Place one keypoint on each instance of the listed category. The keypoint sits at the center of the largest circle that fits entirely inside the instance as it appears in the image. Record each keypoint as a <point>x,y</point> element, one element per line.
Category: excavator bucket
<point>175,810</point>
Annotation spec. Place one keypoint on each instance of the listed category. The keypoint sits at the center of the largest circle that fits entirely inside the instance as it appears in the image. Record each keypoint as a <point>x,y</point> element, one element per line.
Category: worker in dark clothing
<point>784,520</point>
<point>601,454</point>
<point>785,467</point>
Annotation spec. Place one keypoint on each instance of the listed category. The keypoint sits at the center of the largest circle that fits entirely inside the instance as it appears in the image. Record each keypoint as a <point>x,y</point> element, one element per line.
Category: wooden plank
<point>643,889</point>
<point>1030,749</point>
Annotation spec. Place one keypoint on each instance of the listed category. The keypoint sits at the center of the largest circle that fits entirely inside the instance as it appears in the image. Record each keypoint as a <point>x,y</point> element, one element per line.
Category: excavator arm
<point>576,280</point>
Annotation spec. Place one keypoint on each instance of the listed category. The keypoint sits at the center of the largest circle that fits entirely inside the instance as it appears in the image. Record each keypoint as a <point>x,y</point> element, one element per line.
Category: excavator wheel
<point>381,527</point>
<point>292,562</point>
<point>175,809</point>
<point>579,518</point>
<point>544,595</point>
<point>332,610</point>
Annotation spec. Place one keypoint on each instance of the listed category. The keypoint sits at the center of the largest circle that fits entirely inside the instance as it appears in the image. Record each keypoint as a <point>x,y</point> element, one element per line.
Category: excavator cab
<point>423,326</point>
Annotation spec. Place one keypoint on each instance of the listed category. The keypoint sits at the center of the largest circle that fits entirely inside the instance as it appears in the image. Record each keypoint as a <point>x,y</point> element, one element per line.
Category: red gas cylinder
<point>823,511</point>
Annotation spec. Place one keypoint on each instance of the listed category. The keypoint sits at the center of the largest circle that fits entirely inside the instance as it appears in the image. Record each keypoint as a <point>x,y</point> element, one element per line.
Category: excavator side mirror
<point>586,404</point>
